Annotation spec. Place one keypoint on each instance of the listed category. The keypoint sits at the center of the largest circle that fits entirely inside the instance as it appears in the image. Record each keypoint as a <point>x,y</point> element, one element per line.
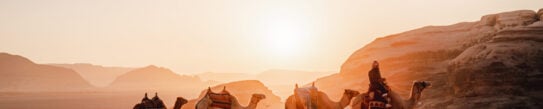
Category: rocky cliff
<point>494,62</point>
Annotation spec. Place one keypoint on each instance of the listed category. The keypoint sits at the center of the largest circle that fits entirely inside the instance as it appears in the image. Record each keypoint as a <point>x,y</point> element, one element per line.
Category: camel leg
<point>357,101</point>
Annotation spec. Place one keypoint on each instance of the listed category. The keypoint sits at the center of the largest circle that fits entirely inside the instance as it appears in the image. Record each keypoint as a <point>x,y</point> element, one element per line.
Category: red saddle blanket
<point>220,100</point>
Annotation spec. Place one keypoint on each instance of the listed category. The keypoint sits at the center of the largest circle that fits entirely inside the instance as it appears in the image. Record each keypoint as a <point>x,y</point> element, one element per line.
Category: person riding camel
<point>378,90</point>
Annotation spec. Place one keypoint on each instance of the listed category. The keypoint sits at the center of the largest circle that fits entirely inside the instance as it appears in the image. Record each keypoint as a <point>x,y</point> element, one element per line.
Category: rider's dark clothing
<point>377,85</point>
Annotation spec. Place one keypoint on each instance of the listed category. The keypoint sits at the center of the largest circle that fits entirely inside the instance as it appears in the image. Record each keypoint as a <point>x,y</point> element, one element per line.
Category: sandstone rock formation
<point>491,63</point>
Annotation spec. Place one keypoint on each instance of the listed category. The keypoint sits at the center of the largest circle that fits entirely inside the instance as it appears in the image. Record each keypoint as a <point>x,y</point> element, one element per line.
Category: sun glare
<point>284,34</point>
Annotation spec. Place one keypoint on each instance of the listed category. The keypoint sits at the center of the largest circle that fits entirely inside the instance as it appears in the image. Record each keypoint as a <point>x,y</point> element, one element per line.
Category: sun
<point>284,35</point>
<point>284,39</point>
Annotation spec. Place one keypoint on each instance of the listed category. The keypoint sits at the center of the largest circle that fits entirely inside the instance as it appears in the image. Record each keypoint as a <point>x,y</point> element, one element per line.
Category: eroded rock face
<point>540,13</point>
<point>510,19</point>
<point>502,73</point>
<point>491,63</point>
<point>497,69</point>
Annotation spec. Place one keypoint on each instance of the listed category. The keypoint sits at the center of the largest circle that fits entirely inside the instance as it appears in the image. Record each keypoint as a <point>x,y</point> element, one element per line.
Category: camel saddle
<point>220,100</point>
<point>376,105</point>
<point>378,95</point>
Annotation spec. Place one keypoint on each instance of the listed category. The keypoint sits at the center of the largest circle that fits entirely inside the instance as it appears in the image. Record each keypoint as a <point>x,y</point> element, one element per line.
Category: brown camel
<point>224,100</point>
<point>154,103</point>
<point>180,102</point>
<point>311,98</point>
<point>361,101</point>
<point>157,103</point>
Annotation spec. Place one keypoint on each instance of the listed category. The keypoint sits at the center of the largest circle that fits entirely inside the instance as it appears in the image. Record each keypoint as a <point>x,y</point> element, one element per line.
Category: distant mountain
<point>97,75</point>
<point>280,81</point>
<point>156,78</point>
<point>288,77</point>
<point>225,77</point>
<point>243,91</point>
<point>492,63</point>
<point>20,74</point>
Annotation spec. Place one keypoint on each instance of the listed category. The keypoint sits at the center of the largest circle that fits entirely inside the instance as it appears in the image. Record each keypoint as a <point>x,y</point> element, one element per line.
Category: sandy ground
<point>78,100</point>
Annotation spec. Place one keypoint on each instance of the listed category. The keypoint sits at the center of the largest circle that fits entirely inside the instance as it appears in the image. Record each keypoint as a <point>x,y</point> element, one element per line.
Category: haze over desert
<point>280,54</point>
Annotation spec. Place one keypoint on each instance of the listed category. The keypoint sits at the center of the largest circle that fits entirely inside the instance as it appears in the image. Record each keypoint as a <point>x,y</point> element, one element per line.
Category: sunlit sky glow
<point>238,36</point>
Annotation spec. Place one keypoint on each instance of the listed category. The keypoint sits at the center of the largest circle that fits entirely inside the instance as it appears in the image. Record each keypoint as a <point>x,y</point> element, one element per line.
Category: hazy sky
<point>242,36</point>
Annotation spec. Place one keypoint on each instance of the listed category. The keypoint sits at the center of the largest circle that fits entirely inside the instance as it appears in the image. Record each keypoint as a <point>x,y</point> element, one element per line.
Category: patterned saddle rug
<point>222,100</point>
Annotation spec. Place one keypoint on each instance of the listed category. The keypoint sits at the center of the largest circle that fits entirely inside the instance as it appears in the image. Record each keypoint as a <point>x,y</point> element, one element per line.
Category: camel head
<point>416,91</point>
<point>182,100</point>
<point>418,86</point>
<point>257,97</point>
<point>350,93</point>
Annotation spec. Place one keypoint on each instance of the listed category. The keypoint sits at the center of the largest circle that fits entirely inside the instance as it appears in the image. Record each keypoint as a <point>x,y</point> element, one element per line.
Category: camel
<point>224,100</point>
<point>146,103</point>
<point>397,102</point>
<point>156,103</point>
<point>180,102</point>
<point>311,98</point>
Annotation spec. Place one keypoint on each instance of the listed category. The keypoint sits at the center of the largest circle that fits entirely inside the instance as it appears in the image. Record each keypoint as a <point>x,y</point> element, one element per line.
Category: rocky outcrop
<point>540,14</point>
<point>501,73</point>
<point>510,19</point>
<point>491,63</point>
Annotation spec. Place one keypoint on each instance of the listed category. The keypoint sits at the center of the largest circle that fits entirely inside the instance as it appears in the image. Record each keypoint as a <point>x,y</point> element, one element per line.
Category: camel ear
<point>224,88</point>
<point>208,89</point>
<point>313,84</point>
<point>296,86</point>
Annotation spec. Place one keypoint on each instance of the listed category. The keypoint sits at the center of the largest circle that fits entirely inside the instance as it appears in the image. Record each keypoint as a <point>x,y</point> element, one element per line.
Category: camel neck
<point>252,104</point>
<point>345,100</point>
<point>414,97</point>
